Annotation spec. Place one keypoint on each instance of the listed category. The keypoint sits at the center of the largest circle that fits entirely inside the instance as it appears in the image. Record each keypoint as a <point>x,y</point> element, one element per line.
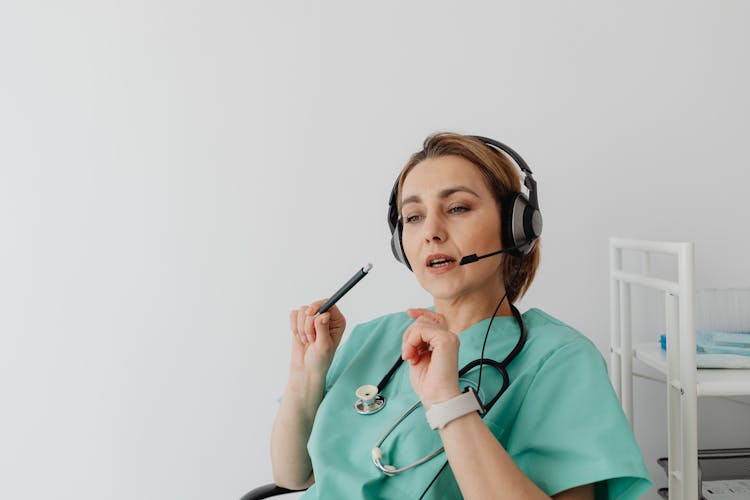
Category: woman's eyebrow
<point>442,194</point>
<point>456,189</point>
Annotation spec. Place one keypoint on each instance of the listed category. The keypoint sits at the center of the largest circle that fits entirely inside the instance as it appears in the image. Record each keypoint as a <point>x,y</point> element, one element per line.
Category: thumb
<point>322,330</point>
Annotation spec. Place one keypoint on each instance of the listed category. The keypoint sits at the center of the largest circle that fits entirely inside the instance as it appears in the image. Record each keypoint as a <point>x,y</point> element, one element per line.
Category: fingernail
<point>325,320</point>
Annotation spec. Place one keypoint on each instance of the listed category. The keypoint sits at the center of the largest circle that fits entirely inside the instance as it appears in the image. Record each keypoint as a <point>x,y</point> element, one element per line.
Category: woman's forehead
<point>434,175</point>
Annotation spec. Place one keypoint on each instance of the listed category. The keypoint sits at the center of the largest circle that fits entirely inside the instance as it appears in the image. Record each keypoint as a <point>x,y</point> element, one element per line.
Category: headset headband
<point>528,181</point>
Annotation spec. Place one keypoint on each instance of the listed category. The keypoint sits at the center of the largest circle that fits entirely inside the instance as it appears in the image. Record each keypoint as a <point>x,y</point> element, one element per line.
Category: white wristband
<point>440,414</point>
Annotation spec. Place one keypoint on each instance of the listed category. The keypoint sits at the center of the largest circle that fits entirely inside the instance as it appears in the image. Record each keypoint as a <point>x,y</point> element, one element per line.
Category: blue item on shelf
<point>719,349</point>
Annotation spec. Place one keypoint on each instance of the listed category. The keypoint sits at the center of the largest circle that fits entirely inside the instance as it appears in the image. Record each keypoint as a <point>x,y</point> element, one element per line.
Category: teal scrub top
<point>559,420</point>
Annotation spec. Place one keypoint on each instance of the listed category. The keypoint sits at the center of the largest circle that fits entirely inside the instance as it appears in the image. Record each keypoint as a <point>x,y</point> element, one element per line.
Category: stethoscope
<point>370,399</point>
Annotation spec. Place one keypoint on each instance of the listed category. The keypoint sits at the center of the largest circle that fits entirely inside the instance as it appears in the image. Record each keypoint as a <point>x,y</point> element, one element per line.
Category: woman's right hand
<point>315,339</point>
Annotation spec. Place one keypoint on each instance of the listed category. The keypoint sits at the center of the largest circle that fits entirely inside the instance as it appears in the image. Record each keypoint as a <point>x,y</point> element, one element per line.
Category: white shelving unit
<point>685,383</point>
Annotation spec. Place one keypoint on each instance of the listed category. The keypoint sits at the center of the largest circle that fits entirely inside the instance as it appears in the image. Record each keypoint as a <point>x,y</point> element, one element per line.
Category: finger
<point>315,306</point>
<point>301,316</point>
<point>309,328</point>
<point>423,336</point>
<point>415,342</point>
<point>414,354</point>
<point>416,312</point>
<point>293,325</point>
<point>410,353</point>
<point>433,316</point>
<point>421,321</point>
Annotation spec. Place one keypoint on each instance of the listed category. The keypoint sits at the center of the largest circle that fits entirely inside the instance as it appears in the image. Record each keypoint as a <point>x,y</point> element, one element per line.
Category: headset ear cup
<point>509,239</point>
<point>522,225</point>
<point>521,217</point>
<point>532,225</point>
<point>397,246</point>
<point>394,225</point>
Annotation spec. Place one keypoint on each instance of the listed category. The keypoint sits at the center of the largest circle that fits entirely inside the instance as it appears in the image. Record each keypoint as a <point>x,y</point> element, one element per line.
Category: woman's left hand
<point>432,352</point>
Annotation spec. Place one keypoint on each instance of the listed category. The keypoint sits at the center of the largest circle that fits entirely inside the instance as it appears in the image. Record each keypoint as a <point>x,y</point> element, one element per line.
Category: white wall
<point>176,176</point>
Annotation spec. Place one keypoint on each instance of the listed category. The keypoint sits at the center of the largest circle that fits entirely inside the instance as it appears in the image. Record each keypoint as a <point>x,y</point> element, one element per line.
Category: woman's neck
<point>462,313</point>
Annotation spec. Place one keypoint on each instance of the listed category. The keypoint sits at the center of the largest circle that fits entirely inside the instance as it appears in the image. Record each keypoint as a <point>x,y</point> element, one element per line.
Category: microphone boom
<point>468,259</point>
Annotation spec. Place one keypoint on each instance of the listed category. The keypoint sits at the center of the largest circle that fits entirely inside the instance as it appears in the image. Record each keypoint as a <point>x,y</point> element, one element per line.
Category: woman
<point>549,423</point>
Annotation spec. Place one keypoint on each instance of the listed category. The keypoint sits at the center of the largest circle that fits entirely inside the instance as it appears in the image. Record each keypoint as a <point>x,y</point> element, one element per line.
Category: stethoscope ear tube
<point>391,470</point>
<point>377,454</point>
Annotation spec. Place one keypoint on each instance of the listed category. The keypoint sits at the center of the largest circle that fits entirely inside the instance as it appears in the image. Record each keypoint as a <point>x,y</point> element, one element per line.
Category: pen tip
<point>367,268</point>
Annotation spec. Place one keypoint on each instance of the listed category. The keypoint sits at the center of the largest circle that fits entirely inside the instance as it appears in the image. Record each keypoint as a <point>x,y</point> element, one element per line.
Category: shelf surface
<point>710,381</point>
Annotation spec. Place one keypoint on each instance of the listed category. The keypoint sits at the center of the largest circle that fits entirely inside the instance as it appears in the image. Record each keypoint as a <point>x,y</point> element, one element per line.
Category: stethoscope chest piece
<point>368,400</point>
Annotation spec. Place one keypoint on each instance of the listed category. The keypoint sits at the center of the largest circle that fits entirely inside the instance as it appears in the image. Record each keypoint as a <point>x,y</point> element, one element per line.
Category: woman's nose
<point>434,230</point>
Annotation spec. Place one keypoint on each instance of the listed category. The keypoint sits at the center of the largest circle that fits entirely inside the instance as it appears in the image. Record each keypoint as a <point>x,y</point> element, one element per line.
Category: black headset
<point>521,220</point>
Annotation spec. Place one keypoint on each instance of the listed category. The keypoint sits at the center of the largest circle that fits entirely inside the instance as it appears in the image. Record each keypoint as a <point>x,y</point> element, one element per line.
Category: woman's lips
<point>440,263</point>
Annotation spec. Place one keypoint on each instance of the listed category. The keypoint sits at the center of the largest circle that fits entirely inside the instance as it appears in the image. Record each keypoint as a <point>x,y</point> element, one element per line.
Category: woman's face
<point>449,212</point>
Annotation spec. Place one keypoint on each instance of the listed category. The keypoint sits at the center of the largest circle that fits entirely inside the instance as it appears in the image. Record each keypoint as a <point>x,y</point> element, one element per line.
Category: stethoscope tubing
<point>377,453</point>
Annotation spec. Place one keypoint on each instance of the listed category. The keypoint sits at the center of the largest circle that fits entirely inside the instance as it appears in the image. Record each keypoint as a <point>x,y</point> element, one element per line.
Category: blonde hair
<point>501,177</point>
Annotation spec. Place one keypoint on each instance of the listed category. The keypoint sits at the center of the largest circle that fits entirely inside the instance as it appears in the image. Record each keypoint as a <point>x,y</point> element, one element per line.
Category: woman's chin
<point>442,293</point>
<point>448,290</point>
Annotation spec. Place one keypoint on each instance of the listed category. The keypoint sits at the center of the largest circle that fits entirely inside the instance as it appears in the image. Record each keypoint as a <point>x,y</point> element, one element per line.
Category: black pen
<point>342,291</point>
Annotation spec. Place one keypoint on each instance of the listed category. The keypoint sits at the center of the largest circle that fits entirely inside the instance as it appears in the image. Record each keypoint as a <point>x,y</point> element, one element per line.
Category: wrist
<point>305,380</point>
<point>305,389</point>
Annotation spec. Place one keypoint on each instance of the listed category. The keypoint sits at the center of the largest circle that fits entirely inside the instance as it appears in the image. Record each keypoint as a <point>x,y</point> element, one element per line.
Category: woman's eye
<point>412,218</point>
<point>458,209</point>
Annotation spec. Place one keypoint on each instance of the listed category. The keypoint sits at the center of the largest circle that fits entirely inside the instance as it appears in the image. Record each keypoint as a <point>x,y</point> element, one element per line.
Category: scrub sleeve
<point>570,430</point>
